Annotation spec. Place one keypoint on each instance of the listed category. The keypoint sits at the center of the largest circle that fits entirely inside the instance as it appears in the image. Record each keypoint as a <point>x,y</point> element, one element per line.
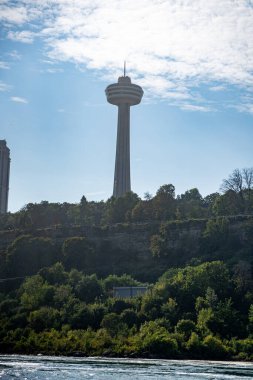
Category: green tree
<point>113,324</point>
<point>119,210</point>
<point>35,293</point>
<point>55,274</point>
<point>156,340</point>
<point>44,318</point>
<point>89,288</point>
<point>164,204</point>
<point>185,327</point>
<point>27,254</point>
<point>79,253</point>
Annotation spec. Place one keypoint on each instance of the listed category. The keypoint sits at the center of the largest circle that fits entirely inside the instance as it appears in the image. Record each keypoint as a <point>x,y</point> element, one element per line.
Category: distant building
<point>129,291</point>
<point>4,176</point>
<point>123,94</point>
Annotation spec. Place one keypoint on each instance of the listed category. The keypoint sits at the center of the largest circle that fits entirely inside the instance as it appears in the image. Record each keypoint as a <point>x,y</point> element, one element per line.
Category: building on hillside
<point>129,291</point>
<point>4,176</point>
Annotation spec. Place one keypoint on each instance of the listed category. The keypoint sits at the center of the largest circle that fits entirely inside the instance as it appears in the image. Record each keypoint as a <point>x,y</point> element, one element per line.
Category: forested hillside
<point>59,263</point>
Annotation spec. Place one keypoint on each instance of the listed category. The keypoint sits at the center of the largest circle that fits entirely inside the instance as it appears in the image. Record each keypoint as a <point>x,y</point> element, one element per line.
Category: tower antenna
<point>124,68</point>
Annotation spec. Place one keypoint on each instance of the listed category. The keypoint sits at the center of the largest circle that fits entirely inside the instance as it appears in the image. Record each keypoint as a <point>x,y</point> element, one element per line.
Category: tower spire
<point>124,68</point>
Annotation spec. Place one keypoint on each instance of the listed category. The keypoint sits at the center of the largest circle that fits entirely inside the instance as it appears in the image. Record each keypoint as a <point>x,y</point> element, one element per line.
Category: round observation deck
<point>124,92</point>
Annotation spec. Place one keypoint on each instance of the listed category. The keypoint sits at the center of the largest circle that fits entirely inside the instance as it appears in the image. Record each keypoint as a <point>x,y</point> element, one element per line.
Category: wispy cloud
<point>14,55</point>
<point>170,46</point>
<point>54,70</point>
<point>25,36</point>
<point>217,88</point>
<point>192,107</point>
<point>4,65</point>
<point>4,87</point>
<point>244,107</point>
<point>18,99</point>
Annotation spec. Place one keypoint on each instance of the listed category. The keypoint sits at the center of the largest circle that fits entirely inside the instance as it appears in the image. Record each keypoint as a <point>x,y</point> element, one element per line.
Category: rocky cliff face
<point>132,237</point>
<point>128,237</point>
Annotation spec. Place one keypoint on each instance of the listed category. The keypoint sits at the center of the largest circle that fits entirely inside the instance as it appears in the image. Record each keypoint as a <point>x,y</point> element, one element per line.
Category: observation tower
<point>123,94</point>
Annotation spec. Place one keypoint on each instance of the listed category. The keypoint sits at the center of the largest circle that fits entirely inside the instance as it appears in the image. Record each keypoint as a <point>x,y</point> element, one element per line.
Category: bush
<point>214,348</point>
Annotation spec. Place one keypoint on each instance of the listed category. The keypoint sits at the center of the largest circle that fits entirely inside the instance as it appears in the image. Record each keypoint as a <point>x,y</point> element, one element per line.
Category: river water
<point>69,368</point>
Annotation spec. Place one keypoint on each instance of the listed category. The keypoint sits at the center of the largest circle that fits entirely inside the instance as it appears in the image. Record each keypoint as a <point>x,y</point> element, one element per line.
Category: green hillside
<point>60,262</point>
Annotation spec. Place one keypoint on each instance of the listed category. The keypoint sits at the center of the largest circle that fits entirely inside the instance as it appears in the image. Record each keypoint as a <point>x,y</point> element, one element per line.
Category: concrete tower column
<point>123,94</point>
<point>122,181</point>
<point>4,176</point>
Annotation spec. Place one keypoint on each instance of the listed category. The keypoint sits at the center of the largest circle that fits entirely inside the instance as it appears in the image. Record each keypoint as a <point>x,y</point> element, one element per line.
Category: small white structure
<point>129,291</point>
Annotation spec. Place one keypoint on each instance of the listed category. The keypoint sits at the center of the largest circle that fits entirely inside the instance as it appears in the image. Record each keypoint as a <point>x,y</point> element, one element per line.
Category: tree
<point>83,210</point>
<point>234,182</point>
<point>166,191</point>
<point>54,275</point>
<point>192,195</point>
<point>79,253</point>
<point>119,210</point>
<point>185,327</point>
<point>191,204</point>
<point>27,254</point>
<point>214,348</point>
<point>230,203</point>
<point>35,293</point>
<point>113,324</point>
<point>44,318</point>
<point>89,288</point>
<point>155,340</point>
<point>164,204</point>
<point>240,182</point>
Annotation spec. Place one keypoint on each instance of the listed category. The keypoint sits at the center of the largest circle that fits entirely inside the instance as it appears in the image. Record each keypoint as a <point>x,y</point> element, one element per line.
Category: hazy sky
<point>194,60</point>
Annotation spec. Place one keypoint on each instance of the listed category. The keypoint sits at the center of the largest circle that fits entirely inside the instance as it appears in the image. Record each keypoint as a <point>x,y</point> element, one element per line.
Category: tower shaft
<point>122,182</point>
<point>4,176</point>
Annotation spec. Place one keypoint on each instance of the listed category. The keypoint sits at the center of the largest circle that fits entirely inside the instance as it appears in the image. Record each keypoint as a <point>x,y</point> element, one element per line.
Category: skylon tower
<point>123,94</point>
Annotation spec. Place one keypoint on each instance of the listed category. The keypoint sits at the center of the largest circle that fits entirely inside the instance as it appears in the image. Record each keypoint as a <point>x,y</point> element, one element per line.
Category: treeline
<point>199,312</point>
<point>236,198</point>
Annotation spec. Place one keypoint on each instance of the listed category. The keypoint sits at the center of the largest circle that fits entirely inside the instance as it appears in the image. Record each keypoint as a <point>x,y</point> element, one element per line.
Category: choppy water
<point>61,368</point>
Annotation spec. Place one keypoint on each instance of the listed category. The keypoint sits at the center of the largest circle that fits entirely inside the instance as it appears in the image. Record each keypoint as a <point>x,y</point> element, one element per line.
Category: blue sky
<point>194,126</point>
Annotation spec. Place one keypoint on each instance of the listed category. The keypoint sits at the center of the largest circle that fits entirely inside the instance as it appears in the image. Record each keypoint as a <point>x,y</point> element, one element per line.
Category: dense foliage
<point>199,311</point>
<point>60,262</point>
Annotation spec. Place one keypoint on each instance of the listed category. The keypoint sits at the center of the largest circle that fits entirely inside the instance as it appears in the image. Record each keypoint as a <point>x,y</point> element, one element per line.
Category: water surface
<point>69,368</point>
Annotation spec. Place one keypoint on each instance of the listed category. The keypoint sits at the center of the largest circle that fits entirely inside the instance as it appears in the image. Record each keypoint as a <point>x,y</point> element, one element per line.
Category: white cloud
<point>217,88</point>
<point>15,15</point>
<point>244,107</point>
<point>54,70</point>
<point>4,87</point>
<point>191,107</point>
<point>18,99</point>
<point>4,65</point>
<point>170,46</point>
<point>25,36</point>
